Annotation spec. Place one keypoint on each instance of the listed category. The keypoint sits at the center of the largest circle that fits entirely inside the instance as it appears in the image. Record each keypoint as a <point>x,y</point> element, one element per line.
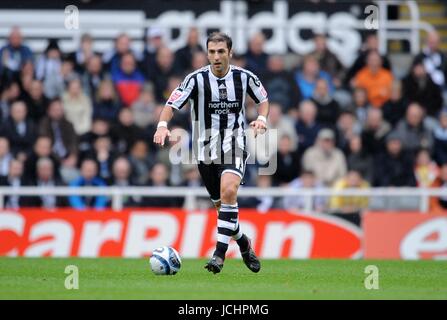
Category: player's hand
<point>258,126</point>
<point>160,136</point>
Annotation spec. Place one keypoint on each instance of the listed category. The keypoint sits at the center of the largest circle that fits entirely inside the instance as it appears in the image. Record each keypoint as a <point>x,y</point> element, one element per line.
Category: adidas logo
<point>222,86</point>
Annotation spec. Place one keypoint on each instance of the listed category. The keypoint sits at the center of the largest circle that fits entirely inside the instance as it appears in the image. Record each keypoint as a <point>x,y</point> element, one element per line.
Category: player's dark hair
<point>218,36</point>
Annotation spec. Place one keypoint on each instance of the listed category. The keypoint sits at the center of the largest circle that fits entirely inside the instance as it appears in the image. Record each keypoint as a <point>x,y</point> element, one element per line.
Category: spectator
<point>121,177</point>
<point>83,54</point>
<point>184,55</point>
<point>419,87</point>
<point>128,79</point>
<point>280,84</point>
<point>374,132</point>
<point>88,178</point>
<point>199,60</point>
<point>395,108</point>
<point>375,79</point>
<point>327,60</point>
<point>350,207</point>
<point>13,55</point>
<point>125,132</point>
<point>394,167</point>
<point>15,181</point>
<point>77,107</point>
<point>104,155</point>
<point>347,127</point>
<point>328,108</point>
<point>36,101</point>
<point>413,131</point>
<point>306,180</point>
<point>358,160</point>
<point>326,161</point>
<point>159,177</point>
<point>46,178</point>
<point>426,171</point>
<point>191,176</point>
<point>440,139</point>
<point>106,104</point>
<point>93,76</point>
<point>20,131</point>
<point>141,162</point>
<point>154,41</point>
<point>306,127</point>
<point>41,149</point>
<point>5,156</point>
<point>439,204</point>
<point>9,95</point>
<point>49,70</point>
<point>434,60</point>
<point>256,57</point>
<point>143,108</point>
<point>100,128</point>
<point>360,104</point>
<point>26,76</point>
<point>112,59</point>
<point>60,130</point>
<point>261,203</point>
<point>288,162</point>
<point>164,69</point>
<point>306,79</point>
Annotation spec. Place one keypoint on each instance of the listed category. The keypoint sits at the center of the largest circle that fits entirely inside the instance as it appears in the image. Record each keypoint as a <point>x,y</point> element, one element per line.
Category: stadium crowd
<point>87,118</point>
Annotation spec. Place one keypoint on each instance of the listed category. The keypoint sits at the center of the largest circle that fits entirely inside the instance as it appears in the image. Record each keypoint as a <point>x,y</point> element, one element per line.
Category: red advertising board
<point>405,235</point>
<point>136,232</point>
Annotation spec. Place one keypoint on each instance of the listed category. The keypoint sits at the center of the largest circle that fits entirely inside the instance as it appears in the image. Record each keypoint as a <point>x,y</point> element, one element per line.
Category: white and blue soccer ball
<point>165,261</point>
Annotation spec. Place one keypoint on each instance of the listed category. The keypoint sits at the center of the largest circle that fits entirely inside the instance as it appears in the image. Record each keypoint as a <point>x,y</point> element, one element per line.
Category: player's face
<point>219,57</point>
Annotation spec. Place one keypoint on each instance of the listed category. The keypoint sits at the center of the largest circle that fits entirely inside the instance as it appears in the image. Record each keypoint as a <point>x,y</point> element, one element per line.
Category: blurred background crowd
<point>87,118</point>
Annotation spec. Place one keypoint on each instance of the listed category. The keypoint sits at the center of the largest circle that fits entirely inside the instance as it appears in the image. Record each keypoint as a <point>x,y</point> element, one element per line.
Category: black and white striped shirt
<point>217,108</point>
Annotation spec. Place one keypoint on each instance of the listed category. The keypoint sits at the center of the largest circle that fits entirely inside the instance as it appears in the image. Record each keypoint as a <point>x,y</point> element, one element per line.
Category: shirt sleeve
<point>255,89</point>
<point>179,97</point>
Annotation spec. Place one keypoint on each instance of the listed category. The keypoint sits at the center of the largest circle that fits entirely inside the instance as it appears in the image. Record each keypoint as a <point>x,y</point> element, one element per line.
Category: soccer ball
<point>165,261</point>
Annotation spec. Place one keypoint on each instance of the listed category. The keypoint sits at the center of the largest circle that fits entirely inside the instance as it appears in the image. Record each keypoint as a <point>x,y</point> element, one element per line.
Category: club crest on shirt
<point>222,92</point>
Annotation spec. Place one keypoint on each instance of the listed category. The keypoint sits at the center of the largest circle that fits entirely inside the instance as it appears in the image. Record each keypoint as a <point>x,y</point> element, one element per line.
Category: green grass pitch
<point>116,278</point>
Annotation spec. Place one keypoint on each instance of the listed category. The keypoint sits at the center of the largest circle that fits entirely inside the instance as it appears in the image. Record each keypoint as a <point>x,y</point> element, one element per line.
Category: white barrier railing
<point>191,194</point>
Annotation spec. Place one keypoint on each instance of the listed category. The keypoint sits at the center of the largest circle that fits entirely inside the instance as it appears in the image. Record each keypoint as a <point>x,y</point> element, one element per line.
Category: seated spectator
<point>60,130</point>
<point>15,181</point>
<point>306,79</point>
<point>5,156</point>
<point>413,131</point>
<point>36,101</point>
<point>374,132</point>
<point>307,127</point>
<point>41,149</point>
<point>328,61</point>
<point>191,176</point>
<point>49,70</point>
<point>143,108</point>
<point>359,160</point>
<point>77,107</point>
<point>125,132</point>
<point>256,57</point>
<point>141,162</point>
<point>159,177</point>
<point>199,60</point>
<point>347,127</point>
<point>326,161</point>
<point>375,79</point>
<point>434,60</point>
<point>261,203</point>
<point>153,42</point>
<point>419,87</point>
<point>128,79</point>
<point>440,139</point>
<point>350,207</point>
<point>93,76</point>
<point>280,84</point>
<point>20,131</point>
<point>328,109</point>
<point>104,155</point>
<point>26,77</point>
<point>426,171</point>
<point>106,103</point>
<point>89,178</point>
<point>83,54</point>
<point>394,167</point>
<point>306,180</point>
<point>164,69</point>
<point>45,178</point>
<point>100,128</point>
<point>288,162</point>
<point>360,104</point>
<point>10,94</point>
<point>396,107</point>
<point>13,55</point>
<point>184,55</point>
<point>122,46</point>
<point>439,204</point>
<point>121,177</point>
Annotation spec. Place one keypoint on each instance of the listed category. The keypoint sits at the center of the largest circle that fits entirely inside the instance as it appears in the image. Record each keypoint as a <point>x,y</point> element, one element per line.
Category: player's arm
<point>260,124</point>
<point>179,97</point>
<point>257,92</point>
